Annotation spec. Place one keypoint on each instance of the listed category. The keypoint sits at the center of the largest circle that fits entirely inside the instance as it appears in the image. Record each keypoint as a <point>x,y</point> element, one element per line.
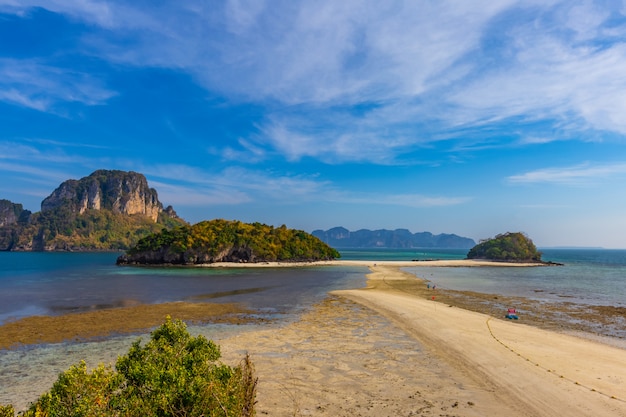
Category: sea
<point>57,283</point>
<point>51,283</point>
<point>586,276</point>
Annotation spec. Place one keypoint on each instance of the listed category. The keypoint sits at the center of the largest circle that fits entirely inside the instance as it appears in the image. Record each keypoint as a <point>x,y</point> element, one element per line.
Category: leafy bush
<point>506,247</point>
<point>7,411</point>
<point>78,392</point>
<point>174,374</point>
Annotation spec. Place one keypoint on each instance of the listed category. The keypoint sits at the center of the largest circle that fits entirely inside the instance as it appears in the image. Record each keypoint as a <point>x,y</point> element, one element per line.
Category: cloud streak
<point>234,186</point>
<point>584,174</point>
<point>43,87</point>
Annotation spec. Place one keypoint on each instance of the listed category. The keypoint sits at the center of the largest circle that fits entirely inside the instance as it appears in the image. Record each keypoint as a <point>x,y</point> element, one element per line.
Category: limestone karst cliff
<point>119,191</point>
<point>12,213</point>
<point>107,210</point>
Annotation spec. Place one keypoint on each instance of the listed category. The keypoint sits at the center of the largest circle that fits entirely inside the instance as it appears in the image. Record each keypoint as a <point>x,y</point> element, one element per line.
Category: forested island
<point>227,241</point>
<point>510,247</point>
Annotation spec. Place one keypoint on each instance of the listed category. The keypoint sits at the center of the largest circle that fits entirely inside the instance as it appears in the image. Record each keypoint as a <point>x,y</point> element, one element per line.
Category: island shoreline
<point>450,263</point>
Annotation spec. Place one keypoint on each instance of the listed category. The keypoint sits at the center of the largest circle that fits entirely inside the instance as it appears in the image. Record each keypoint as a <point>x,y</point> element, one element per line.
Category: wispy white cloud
<point>50,175</point>
<point>94,11</point>
<point>419,201</point>
<point>243,185</point>
<point>27,153</point>
<point>36,181</point>
<point>377,198</point>
<point>194,196</point>
<point>64,144</point>
<point>234,186</point>
<point>584,174</point>
<point>15,96</point>
<point>247,152</point>
<point>32,84</point>
<point>562,64</point>
<point>377,133</point>
<point>44,163</point>
<point>435,68</point>
<point>295,52</point>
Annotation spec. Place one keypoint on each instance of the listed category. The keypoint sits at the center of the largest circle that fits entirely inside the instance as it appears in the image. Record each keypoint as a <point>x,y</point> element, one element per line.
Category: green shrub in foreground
<point>174,374</point>
<point>6,411</point>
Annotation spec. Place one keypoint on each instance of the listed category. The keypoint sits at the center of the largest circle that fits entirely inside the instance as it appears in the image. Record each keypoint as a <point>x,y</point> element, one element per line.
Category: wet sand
<point>388,350</point>
<point>91,325</point>
<point>339,262</point>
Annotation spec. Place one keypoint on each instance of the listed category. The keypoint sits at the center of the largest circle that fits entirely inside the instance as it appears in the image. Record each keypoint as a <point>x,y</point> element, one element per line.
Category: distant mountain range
<point>340,237</point>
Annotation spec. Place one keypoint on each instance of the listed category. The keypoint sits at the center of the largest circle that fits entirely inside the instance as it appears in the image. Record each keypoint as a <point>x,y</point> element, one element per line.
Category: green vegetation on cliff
<point>60,229</point>
<point>227,241</point>
<point>108,210</point>
<point>508,246</point>
<point>96,229</point>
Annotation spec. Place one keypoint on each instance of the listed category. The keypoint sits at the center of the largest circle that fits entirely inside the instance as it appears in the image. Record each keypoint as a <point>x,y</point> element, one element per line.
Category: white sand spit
<point>394,354</point>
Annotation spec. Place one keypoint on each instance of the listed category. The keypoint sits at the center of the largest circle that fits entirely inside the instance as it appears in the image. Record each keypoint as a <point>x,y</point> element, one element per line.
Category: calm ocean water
<point>56,283</point>
<point>588,276</point>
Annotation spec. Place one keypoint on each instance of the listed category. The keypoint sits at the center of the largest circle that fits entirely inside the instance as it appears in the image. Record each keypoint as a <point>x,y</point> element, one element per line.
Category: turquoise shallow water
<point>587,276</point>
<point>57,283</point>
<point>596,277</point>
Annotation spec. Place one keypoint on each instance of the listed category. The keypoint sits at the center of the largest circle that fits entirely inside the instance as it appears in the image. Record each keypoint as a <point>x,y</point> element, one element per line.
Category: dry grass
<point>124,320</point>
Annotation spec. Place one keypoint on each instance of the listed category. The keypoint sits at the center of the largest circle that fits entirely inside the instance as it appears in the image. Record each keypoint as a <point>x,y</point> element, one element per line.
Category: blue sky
<point>474,118</point>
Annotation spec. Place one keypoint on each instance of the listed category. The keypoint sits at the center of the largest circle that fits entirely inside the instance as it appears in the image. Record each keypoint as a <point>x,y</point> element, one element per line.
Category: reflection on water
<point>221,294</point>
<point>59,283</point>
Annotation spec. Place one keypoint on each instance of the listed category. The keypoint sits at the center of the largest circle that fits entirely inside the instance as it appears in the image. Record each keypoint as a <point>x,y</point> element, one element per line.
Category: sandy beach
<point>384,351</point>
<point>390,349</point>
<point>340,262</point>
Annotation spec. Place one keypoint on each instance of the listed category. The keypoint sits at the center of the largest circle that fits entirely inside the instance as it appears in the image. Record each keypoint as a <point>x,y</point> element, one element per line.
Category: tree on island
<point>510,246</point>
<point>227,241</point>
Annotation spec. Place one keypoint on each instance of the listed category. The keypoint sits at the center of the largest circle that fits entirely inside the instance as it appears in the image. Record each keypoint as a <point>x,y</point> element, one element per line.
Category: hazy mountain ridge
<point>340,237</point>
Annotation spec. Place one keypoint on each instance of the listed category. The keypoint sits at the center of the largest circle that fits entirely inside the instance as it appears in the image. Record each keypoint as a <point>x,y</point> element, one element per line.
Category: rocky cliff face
<point>118,191</point>
<point>11,213</point>
<point>108,210</point>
